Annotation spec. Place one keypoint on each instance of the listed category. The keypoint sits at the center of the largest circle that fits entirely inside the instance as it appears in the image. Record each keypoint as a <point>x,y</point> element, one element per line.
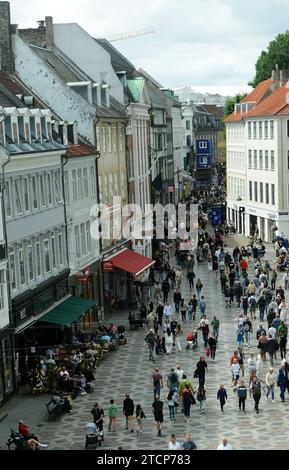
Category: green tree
<point>277,53</point>
<point>231,101</point>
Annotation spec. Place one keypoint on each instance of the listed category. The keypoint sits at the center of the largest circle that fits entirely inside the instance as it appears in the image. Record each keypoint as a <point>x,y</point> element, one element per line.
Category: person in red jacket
<point>23,429</point>
<point>244,264</point>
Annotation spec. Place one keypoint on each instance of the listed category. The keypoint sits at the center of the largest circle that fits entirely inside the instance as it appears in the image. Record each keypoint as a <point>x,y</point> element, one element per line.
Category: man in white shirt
<point>180,372</point>
<point>168,311</point>
<point>224,444</point>
<point>173,444</point>
<point>272,331</point>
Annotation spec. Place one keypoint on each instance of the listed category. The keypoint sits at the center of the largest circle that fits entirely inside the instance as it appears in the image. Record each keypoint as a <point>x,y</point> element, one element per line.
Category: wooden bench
<point>54,409</point>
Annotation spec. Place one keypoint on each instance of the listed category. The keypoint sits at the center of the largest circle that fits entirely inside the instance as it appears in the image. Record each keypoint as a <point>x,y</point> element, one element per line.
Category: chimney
<point>49,32</point>
<point>6,56</point>
<point>279,77</point>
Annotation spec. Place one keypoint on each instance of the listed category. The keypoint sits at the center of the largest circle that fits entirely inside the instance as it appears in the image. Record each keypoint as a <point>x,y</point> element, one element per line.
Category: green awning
<point>69,311</point>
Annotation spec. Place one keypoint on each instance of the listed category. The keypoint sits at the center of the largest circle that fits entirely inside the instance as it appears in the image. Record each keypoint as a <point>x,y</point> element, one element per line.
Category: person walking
<point>222,396</point>
<point>128,411</point>
<point>201,369</point>
<point>242,395</point>
<point>173,379</point>
<point>165,289</point>
<point>112,414</point>
<point>202,305</point>
<point>169,341</point>
<point>189,444</point>
<point>199,287</point>
<point>204,326</point>
<point>177,301</point>
<point>157,408</point>
<point>235,370</point>
<point>252,363</point>
<point>215,326</point>
<point>140,418</point>
<point>282,381</point>
<point>98,416</point>
<point>194,302</point>
<point>168,312</point>
<point>240,336</point>
<point>190,277</point>
<point>201,397</point>
<point>256,389</point>
<point>183,309</point>
<point>174,444</point>
<point>157,382</point>
<point>171,404</point>
<point>187,400</point>
<point>177,337</point>
<point>262,345</point>
<point>224,444</point>
<point>150,339</point>
<point>212,342</point>
<point>248,329</point>
<point>271,348</point>
<point>270,382</point>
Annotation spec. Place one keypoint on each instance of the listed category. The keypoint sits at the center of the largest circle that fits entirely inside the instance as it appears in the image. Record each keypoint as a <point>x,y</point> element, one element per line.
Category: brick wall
<point>6,57</point>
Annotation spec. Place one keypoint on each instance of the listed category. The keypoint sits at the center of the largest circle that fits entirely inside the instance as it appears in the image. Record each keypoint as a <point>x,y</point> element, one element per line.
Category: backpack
<point>173,378</point>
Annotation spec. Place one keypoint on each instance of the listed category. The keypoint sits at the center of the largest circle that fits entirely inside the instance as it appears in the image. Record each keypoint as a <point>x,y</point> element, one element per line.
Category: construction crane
<point>131,34</point>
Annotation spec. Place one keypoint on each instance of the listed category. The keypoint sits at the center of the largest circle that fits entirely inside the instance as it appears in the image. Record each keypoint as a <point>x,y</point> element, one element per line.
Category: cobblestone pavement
<point>128,370</point>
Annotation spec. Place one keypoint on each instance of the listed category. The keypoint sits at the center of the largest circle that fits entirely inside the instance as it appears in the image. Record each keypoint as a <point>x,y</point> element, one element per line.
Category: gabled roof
<point>119,62</point>
<point>215,110</point>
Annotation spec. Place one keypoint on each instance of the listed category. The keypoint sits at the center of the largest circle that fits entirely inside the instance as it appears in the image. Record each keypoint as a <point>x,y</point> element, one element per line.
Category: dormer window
<point>32,127</point>
<point>2,140</point>
<point>43,128</point>
<point>38,130</point>
<point>8,130</point>
<point>21,129</point>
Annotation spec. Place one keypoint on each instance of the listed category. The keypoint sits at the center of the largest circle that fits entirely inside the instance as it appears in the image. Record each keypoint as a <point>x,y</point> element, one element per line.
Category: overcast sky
<point>209,44</point>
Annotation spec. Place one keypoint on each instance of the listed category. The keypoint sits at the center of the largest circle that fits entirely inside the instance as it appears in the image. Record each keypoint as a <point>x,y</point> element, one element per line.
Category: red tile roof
<point>80,150</point>
<point>267,104</point>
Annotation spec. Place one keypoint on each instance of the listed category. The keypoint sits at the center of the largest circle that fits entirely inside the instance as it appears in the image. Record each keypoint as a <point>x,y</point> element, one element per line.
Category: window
<point>30,262</point>
<point>123,191</point>
<point>26,195</point>
<point>8,130</point>
<point>32,127</point>
<point>66,187</point>
<point>203,145</point>
<point>266,129</point>
<point>121,138</point>
<point>256,191</point>
<point>260,129</point>
<point>271,129</point>
<point>58,187</point>
<point>2,299</point>
<point>188,125</point>
<point>105,188</point>
<point>38,259</point>
<point>8,199</point>
<point>255,160</point>
<point>60,248</point>
<point>98,138</point>
<point>249,130</point>
<point>267,192</point>
<point>74,185</point>
<point>47,256</point>
<point>114,139</point>
<point>85,182</point>
<point>100,187</point>
<point>272,160</point>
<point>18,197</point>
<point>273,194</point>
<point>34,192</point>
<point>79,184</point>
<point>53,251</point>
<point>254,130</point>
<point>104,139</point>
<point>43,128</point>
<point>260,159</point>
<point>83,239</point>
<point>250,191</point>
<point>116,191</point>
<point>42,191</point>
<point>266,160</point>
<point>261,193</point>
<point>77,241</point>
<point>109,139</point>
<point>21,266</point>
<point>250,159</point>
<point>92,181</point>
<point>49,188</point>
<point>12,268</point>
<point>88,237</point>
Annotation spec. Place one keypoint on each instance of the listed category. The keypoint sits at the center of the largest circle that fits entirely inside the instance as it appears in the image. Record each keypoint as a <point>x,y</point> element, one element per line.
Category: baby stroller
<point>192,340</point>
<point>121,334</point>
<point>93,437</point>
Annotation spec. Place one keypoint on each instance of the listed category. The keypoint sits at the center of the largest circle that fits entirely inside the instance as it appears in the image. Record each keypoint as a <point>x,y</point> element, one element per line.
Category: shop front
<point>7,369</point>
<point>125,275</point>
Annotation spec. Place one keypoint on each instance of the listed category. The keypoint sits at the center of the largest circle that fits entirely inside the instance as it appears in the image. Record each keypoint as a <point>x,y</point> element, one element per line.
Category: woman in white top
<point>169,341</point>
<point>235,369</point>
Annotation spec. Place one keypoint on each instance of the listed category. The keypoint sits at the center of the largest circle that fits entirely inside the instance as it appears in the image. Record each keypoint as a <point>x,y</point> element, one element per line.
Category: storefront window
<point>7,356</point>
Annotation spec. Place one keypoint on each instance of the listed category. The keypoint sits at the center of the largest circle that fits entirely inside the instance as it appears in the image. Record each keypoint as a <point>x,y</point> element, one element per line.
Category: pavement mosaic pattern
<point>128,370</point>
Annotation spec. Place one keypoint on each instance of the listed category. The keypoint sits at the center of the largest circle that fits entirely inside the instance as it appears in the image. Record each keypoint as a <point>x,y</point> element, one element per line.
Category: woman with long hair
<point>140,418</point>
